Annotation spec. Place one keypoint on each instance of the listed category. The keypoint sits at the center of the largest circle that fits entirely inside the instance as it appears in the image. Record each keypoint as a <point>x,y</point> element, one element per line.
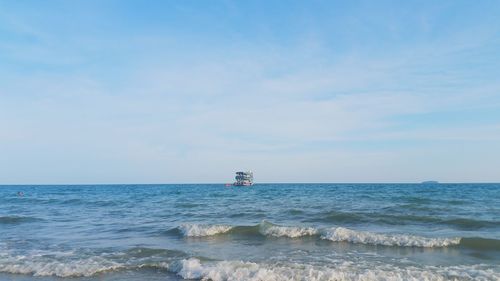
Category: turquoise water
<point>265,232</point>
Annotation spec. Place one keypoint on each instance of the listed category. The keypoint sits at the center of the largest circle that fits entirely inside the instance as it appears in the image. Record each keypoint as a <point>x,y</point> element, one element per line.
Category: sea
<point>264,232</point>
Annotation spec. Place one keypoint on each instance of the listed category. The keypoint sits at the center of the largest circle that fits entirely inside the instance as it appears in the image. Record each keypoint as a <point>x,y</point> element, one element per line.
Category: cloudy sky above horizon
<point>297,91</point>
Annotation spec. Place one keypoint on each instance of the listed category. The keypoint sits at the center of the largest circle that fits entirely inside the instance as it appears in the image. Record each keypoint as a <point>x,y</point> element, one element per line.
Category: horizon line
<point>223,183</point>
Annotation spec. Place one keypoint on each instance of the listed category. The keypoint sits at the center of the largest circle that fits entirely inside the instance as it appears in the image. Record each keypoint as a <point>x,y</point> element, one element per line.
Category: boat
<point>243,179</point>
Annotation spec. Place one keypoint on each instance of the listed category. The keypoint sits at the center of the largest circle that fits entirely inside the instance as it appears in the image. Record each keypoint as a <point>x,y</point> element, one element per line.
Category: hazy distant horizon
<point>178,91</point>
<point>222,183</point>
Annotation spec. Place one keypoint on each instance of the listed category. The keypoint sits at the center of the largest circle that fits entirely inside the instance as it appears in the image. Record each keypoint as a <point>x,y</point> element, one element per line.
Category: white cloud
<point>163,120</point>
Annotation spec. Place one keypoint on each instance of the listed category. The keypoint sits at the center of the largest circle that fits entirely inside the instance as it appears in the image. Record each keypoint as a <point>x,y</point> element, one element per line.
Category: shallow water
<point>265,232</point>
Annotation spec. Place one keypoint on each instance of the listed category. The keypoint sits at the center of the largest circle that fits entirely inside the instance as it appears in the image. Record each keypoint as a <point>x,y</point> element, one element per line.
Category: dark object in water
<point>243,179</point>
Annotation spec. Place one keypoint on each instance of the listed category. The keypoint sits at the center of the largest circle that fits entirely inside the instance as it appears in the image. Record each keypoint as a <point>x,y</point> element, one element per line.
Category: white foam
<point>268,229</point>
<point>248,271</point>
<point>71,264</point>
<point>348,235</point>
<point>192,268</point>
<point>52,267</point>
<point>199,230</point>
<point>337,234</point>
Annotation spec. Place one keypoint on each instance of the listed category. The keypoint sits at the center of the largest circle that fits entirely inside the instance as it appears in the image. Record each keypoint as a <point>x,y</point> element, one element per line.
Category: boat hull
<point>242,184</point>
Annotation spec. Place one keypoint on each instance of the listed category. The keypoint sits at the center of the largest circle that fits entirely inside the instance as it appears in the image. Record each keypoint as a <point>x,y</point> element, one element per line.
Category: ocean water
<point>265,232</point>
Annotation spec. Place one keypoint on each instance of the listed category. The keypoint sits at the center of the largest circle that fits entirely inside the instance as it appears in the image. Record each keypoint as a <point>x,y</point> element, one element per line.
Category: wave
<point>16,219</point>
<point>478,243</point>
<point>335,234</point>
<point>264,228</point>
<point>85,264</point>
<point>269,229</point>
<point>200,230</point>
<point>342,234</point>
<point>72,268</point>
<point>400,219</point>
<point>471,224</point>
<point>238,270</point>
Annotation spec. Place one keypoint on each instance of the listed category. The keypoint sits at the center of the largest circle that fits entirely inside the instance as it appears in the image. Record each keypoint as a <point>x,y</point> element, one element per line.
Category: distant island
<point>430,182</point>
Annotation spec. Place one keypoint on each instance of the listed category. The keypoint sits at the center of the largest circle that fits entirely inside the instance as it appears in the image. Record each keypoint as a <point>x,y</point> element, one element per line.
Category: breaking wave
<point>238,270</point>
<point>341,234</point>
<point>264,228</point>
<point>398,219</point>
<point>200,230</point>
<point>67,268</point>
<point>336,234</point>
<point>85,264</point>
<point>269,229</point>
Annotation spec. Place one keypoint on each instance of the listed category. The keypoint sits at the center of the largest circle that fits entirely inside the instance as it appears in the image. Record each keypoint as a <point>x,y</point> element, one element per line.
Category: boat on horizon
<point>243,179</point>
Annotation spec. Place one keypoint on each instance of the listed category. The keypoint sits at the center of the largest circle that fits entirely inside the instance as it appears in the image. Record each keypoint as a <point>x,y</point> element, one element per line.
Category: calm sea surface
<point>265,232</point>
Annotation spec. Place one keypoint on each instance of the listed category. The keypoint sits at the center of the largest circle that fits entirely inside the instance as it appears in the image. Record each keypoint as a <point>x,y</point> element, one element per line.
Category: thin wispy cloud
<point>192,94</point>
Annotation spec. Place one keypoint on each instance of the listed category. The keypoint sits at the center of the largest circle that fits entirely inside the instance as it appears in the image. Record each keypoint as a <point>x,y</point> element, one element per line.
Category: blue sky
<point>297,91</point>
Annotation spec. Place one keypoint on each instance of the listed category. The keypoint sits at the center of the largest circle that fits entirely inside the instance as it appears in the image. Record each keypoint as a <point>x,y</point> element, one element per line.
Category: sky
<point>105,91</point>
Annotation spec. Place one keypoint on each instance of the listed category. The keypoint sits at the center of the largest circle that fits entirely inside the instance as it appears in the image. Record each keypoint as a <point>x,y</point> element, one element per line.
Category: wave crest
<point>342,234</point>
<point>71,264</point>
<point>67,268</point>
<point>269,229</point>
<point>336,234</point>
<point>200,230</point>
<point>82,263</point>
<point>238,270</point>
